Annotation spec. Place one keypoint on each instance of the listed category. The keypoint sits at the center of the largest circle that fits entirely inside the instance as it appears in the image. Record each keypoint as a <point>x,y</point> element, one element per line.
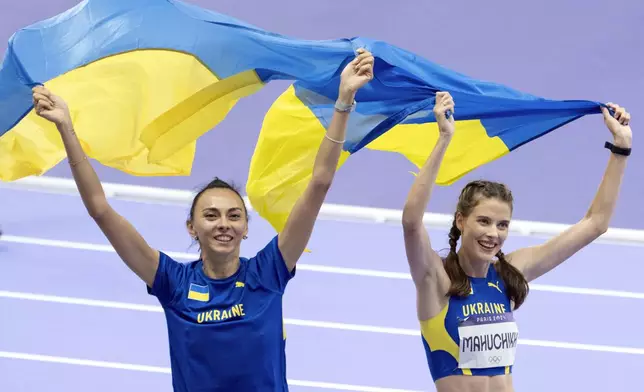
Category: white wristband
<point>343,107</point>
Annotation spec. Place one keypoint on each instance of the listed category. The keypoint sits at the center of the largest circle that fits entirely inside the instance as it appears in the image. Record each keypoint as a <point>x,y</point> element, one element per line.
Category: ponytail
<point>460,284</point>
<point>515,283</point>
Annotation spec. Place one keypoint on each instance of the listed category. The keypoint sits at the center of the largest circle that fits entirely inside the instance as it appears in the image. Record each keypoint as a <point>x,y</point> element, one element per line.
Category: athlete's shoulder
<point>175,267</point>
<point>170,278</point>
<point>269,252</point>
<point>166,258</point>
<point>269,266</point>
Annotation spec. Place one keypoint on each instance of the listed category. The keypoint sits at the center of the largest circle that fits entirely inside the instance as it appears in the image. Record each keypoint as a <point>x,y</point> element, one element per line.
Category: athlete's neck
<point>217,266</point>
<point>473,268</point>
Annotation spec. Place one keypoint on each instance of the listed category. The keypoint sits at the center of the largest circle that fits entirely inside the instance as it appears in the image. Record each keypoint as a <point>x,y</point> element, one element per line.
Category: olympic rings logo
<point>494,360</point>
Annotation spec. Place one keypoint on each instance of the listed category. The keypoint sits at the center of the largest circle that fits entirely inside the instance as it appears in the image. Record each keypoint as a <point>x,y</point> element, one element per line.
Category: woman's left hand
<point>618,125</point>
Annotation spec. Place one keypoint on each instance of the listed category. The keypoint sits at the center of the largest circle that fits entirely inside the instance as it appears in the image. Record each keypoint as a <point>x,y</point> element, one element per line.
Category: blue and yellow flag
<point>394,114</point>
<point>144,79</point>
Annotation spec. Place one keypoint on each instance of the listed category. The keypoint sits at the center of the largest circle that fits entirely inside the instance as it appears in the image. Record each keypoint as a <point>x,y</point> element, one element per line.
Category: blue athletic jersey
<point>440,334</point>
<point>226,334</point>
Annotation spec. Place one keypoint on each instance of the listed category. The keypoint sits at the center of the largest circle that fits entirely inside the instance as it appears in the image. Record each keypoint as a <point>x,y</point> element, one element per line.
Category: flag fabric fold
<point>145,79</point>
<point>394,114</point>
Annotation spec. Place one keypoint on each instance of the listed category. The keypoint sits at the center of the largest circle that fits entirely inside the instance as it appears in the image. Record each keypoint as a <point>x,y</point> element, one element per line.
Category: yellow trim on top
<point>434,332</point>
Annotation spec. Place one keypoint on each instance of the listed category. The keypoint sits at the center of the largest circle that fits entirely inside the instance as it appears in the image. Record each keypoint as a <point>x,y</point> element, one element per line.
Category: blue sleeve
<point>168,281</point>
<point>271,267</point>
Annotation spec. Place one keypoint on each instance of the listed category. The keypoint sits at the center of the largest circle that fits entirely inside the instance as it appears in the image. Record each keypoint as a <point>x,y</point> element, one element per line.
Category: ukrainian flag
<point>394,114</point>
<point>199,293</point>
<point>144,79</point>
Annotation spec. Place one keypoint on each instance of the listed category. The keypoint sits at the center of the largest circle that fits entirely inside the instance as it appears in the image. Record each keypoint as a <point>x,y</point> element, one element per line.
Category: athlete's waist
<point>457,383</point>
<point>228,372</point>
<point>227,384</point>
<point>234,387</point>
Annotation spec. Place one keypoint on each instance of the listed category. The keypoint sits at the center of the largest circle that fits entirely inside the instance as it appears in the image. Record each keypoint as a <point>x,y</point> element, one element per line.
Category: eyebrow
<point>487,217</point>
<point>217,209</point>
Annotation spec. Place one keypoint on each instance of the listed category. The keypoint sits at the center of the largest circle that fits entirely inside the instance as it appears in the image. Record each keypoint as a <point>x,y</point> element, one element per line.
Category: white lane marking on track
<point>319,268</point>
<point>165,370</point>
<point>309,323</point>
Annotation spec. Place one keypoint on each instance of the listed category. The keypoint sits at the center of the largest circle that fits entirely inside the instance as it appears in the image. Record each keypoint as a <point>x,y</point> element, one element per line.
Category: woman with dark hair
<point>465,302</point>
<point>223,311</point>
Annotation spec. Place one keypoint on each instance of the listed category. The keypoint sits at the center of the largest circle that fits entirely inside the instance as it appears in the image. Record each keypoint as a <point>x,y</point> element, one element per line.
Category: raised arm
<point>299,225</point>
<point>538,260</point>
<point>127,242</point>
<point>425,265</point>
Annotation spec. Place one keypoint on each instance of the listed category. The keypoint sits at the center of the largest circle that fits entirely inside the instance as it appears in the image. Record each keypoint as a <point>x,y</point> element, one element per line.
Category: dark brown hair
<point>471,195</point>
<point>216,183</point>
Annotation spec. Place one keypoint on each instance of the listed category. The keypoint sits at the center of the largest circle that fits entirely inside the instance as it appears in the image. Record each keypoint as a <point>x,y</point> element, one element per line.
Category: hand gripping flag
<point>394,113</point>
<point>144,79</point>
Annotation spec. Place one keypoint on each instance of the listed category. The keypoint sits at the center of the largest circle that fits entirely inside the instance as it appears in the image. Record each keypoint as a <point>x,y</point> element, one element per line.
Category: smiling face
<point>219,221</point>
<point>481,223</point>
<point>485,228</point>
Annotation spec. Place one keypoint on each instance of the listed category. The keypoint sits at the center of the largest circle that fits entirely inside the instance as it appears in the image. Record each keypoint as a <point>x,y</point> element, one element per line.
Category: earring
<point>245,237</point>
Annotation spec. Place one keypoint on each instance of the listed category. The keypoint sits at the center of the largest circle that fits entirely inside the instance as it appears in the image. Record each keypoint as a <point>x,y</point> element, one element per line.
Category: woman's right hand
<point>444,102</point>
<point>50,107</point>
<point>356,74</point>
